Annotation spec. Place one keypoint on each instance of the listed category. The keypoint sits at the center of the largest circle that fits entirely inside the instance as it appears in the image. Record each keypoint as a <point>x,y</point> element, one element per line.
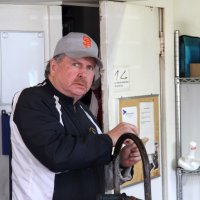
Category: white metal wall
<point>27,18</point>
<point>130,41</point>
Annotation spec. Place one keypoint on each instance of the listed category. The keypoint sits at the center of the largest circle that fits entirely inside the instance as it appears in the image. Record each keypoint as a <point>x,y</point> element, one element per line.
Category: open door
<point>130,50</point>
<point>83,18</point>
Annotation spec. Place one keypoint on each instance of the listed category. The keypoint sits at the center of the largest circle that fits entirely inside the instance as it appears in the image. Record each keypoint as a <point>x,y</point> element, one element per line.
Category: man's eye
<point>76,64</point>
<point>90,68</point>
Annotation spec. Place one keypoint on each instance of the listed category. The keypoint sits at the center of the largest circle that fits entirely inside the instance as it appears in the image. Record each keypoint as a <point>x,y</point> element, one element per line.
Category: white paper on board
<point>147,125</point>
<point>130,115</point>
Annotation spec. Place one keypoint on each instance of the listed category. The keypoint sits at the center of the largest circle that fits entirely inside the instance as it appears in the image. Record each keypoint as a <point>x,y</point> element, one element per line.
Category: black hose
<point>144,156</point>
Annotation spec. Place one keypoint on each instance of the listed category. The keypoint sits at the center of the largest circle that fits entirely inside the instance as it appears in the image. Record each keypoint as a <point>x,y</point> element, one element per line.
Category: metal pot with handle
<point>146,170</point>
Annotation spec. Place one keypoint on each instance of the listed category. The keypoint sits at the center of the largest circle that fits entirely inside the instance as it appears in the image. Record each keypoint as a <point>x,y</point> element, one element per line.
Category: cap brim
<point>84,55</point>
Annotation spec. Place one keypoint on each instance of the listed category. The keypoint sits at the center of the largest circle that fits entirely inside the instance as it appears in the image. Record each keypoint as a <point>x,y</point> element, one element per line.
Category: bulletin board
<point>143,112</point>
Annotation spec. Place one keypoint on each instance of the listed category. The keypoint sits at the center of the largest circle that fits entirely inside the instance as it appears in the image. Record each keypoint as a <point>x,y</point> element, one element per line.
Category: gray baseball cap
<point>78,45</point>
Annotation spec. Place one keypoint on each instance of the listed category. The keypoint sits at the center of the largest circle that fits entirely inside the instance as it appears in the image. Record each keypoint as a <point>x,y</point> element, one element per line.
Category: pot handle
<point>145,163</point>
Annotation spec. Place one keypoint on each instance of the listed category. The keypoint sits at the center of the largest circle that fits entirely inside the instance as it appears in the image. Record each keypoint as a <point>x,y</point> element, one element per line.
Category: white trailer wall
<point>27,18</point>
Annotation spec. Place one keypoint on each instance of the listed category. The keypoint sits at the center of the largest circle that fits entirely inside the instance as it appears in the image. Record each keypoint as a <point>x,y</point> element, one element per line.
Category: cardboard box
<point>195,70</point>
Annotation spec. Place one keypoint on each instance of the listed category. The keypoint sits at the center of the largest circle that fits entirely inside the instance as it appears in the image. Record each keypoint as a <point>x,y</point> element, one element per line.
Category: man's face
<point>72,77</point>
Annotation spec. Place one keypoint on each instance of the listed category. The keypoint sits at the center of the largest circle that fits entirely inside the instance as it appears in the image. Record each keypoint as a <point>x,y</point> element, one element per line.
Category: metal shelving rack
<point>178,81</point>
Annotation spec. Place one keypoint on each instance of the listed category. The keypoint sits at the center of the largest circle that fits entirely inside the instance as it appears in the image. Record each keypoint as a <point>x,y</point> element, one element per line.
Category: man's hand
<point>129,155</point>
<point>120,129</point>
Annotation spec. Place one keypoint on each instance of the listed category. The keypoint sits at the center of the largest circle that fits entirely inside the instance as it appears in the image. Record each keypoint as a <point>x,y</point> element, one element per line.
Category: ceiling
<point>58,2</point>
<point>27,2</point>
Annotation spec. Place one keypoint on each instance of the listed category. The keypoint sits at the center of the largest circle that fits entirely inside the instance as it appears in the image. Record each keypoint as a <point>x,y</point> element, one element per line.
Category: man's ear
<point>53,66</point>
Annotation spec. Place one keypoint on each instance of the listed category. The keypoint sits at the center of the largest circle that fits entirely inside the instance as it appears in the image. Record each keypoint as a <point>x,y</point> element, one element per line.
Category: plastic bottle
<point>193,148</point>
<point>188,162</point>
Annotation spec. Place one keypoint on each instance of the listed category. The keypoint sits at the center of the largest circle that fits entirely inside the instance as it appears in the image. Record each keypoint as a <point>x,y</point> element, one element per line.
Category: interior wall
<point>186,17</point>
<point>27,18</point>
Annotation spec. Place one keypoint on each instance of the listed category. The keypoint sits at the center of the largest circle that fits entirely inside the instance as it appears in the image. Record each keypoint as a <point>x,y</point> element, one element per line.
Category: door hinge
<point>162,44</point>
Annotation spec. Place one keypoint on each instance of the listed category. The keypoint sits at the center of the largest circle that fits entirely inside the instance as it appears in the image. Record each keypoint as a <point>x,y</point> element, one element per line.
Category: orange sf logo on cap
<point>87,42</point>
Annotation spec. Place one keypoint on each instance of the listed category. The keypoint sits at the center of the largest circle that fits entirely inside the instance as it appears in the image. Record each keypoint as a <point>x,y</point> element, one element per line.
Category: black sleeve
<point>48,141</point>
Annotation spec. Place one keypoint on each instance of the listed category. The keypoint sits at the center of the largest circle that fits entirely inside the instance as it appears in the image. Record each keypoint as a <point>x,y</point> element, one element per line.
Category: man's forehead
<point>89,59</point>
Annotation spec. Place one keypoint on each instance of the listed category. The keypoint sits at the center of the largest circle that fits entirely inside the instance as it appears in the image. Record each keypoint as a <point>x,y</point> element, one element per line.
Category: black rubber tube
<point>144,157</point>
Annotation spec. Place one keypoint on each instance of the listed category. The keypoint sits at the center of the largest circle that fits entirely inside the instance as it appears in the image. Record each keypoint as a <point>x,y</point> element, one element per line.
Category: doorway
<point>81,19</point>
<point>85,19</point>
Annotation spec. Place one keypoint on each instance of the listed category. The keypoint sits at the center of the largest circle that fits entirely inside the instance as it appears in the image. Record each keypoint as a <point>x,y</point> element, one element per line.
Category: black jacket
<point>47,127</point>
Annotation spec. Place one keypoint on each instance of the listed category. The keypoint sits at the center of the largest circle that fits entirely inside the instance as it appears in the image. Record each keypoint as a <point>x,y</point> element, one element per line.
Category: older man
<point>58,149</point>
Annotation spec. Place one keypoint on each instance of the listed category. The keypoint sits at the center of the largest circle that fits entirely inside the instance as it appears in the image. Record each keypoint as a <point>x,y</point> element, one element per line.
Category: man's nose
<point>83,71</point>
